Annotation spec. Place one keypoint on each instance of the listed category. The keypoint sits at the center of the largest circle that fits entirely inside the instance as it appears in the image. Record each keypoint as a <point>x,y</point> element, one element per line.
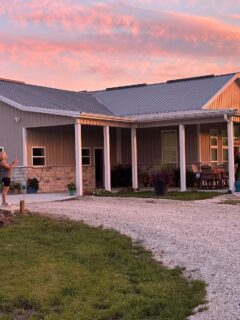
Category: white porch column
<point>78,157</point>
<point>24,142</point>
<point>182,148</point>
<point>134,158</point>
<point>231,168</point>
<point>107,163</point>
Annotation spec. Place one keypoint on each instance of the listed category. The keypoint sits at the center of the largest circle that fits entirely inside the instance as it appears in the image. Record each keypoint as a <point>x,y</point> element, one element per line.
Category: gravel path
<point>202,236</point>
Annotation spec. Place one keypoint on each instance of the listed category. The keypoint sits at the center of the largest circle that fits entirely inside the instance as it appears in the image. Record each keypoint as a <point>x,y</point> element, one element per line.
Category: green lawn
<point>65,270</point>
<point>172,195</point>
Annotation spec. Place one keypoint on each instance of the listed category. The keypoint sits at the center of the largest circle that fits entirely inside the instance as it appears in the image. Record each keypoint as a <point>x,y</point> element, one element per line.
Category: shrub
<point>33,183</point>
<point>145,179</point>
<point>165,175</point>
<point>71,186</point>
<point>121,176</point>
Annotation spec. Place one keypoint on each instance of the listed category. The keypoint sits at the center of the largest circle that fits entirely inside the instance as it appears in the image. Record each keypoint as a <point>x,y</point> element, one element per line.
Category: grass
<point>55,270</point>
<point>173,195</point>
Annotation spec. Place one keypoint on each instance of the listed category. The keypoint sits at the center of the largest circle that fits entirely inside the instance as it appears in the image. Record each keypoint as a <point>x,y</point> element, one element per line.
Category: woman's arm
<point>9,166</point>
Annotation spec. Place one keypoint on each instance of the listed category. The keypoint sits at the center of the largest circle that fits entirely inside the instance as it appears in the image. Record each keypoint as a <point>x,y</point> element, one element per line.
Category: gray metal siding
<point>11,131</point>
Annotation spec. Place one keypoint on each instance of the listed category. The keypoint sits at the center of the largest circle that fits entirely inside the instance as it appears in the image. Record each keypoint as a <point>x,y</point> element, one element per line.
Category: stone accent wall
<point>55,178</point>
<point>19,175</point>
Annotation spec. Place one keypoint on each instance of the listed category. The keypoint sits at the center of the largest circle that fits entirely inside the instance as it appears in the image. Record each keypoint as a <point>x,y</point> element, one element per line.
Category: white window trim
<point>39,147</point>
<point>215,134</point>
<point>1,149</point>
<point>169,131</point>
<point>90,157</point>
<point>224,147</point>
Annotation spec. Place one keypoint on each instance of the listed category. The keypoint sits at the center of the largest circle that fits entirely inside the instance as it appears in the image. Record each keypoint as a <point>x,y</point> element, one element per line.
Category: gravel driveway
<point>202,236</point>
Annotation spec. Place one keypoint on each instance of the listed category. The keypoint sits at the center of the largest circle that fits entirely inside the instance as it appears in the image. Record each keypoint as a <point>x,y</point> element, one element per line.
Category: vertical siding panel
<point>229,99</point>
<point>191,144</point>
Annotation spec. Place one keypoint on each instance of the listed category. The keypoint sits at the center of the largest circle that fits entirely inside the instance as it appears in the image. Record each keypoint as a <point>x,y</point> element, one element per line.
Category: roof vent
<point>193,78</point>
<point>9,80</point>
<point>128,87</point>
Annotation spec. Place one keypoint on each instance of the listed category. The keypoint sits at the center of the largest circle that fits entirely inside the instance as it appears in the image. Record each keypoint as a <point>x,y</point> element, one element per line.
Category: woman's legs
<point>4,194</point>
<point>6,185</point>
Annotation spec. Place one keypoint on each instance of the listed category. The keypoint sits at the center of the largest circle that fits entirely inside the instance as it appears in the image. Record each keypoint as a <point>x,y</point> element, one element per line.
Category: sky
<point>91,45</point>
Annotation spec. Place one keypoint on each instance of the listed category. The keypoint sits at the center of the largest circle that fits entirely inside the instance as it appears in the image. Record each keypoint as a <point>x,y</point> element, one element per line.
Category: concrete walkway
<point>37,198</point>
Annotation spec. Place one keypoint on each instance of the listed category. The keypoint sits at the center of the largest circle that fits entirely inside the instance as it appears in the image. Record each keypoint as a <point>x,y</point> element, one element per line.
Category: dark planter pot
<point>160,188</point>
<point>237,184</point>
<point>31,190</point>
<point>72,192</point>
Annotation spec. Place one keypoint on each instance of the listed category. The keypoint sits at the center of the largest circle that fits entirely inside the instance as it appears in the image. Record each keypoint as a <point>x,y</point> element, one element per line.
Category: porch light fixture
<point>17,119</point>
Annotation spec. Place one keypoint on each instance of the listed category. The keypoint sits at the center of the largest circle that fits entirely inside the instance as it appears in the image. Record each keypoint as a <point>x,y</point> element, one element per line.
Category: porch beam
<point>134,158</point>
<point>78,158</point>
<point>231,167</point>
<point>107,163</point>
<point>182,149</point>
<point>24,142</point>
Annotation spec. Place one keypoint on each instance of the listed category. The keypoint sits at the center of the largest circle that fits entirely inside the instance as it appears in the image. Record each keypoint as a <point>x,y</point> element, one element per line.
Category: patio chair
<point>197,174</point>
<point>207,178</point>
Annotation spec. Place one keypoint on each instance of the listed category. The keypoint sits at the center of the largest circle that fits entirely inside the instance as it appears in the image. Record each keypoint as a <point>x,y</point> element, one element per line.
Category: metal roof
<point>172,96</point>
<point>30,96</point>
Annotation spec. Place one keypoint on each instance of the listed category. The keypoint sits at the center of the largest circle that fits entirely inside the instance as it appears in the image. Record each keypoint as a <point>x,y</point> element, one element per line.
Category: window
<point>214,145</point>
<point>1,149</point>
<point>224,146</point>
<point>169,146</point>
<point>236,134</point>
<point>86,157</point>
<point>38,156</point>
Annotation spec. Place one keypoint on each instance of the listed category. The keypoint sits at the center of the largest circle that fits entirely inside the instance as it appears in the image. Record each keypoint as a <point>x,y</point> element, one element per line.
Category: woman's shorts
<point>6,182</point>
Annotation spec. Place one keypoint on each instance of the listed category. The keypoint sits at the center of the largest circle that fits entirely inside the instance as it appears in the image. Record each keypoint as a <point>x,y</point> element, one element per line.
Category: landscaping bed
<point>55,269</point>
<point>172,195</point>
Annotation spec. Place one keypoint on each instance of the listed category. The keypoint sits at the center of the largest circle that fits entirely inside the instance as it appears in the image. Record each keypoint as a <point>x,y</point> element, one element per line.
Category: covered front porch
<point>87,151</point>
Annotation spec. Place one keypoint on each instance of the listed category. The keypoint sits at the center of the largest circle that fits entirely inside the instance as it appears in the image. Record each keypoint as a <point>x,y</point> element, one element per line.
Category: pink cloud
<point>116,43</point>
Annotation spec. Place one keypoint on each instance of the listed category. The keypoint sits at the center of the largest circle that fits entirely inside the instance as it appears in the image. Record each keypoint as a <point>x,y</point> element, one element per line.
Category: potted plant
<point>71,188</point>
<point>237,177</point>
<point>237,183</point>
<point>161,180</point>
<point>32,185</point>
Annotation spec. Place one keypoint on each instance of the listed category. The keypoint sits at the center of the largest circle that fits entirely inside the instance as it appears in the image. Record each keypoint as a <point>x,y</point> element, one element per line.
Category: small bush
<point>121,176</point>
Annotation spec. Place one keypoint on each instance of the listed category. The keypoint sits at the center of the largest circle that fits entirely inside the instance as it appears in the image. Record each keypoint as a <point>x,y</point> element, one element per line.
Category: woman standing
<point>6,172</point>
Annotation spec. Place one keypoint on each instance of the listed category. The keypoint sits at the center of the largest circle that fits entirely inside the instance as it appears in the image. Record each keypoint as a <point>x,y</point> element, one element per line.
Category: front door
<point>99,167</point>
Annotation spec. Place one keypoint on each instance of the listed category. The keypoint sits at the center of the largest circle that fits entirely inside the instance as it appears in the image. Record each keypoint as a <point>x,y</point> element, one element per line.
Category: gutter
<point>39,110</point>
<point>187,115</point>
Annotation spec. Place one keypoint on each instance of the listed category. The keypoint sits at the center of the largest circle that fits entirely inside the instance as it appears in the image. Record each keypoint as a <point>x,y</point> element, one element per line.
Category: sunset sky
<point>87,45</point>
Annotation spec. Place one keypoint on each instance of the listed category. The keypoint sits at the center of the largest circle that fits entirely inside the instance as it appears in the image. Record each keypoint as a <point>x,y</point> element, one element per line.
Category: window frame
<point>44,157</point>
<point>223,146</point>
<point>90,157</point>
<point>162,147</point>
<point>215,147</point>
